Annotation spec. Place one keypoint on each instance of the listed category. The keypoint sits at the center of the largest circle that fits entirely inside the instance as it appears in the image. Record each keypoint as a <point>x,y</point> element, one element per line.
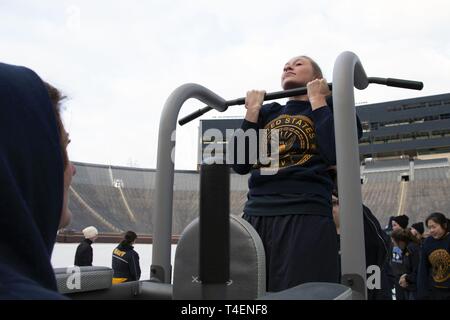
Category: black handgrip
<point>288,93</point>
<point>194,115</point>
<point>407,84</point>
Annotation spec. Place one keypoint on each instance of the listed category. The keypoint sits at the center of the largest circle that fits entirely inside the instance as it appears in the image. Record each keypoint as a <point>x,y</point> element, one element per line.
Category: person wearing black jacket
<point>396,266</point>
<point>84,253</point>
<point>125,261</point>
<point>289,199</point>
<point>434,270</point>
<point>405,240</point>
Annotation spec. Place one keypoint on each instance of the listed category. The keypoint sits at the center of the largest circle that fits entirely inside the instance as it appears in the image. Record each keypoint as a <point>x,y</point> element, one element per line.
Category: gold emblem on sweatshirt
<point>297,139</point>
<point>440,262</point>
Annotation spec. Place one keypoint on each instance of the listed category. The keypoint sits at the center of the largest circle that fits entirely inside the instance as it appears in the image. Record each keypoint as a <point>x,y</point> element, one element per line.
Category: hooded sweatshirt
<point>31,186</point>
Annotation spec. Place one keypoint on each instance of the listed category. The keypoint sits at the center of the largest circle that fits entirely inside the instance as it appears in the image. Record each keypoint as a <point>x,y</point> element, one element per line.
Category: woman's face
<point>415,233</point>
<point>436,230</point>
<point>297,72</point>
<point>395,226</point>
<point>69,172</point>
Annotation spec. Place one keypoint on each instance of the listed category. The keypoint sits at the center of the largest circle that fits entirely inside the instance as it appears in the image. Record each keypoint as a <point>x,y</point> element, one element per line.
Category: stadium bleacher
<point>386,165</point>
<point>425,191</point>
<point>117,199</point>
<point>429,191</point>
<point>381,193</point>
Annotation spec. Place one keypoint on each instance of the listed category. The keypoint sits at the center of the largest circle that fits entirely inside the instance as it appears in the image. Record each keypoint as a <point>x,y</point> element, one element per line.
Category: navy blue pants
<point>299,248</point>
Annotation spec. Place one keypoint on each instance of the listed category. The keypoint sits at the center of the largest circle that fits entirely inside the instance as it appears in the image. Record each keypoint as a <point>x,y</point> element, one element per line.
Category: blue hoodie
<point>31,186</point>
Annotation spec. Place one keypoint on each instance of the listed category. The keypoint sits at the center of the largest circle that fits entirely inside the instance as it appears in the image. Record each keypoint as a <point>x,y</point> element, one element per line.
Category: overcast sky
<point>118,61</point>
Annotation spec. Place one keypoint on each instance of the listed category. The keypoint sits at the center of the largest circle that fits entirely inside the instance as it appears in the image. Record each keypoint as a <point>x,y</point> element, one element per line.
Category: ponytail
<point>129,238</point>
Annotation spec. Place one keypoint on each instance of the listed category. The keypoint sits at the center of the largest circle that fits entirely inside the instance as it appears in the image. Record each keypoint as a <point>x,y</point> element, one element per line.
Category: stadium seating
<point>116,199</point>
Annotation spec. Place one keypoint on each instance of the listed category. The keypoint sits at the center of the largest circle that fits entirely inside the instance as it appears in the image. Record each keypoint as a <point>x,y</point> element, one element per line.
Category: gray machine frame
<point>347,73</point>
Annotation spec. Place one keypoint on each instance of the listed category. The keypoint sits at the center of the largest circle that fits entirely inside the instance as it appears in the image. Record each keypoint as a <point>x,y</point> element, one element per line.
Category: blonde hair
<point>317,71</point>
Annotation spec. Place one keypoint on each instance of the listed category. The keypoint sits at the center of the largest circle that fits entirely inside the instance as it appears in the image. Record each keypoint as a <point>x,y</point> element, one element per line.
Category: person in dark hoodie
<point>291,209</point>
<point>410,246</point>
<point>125,261</point>
<point>434,271</point>
<point>397,267</point>
<point>35,176</point>
<point>84,254</point>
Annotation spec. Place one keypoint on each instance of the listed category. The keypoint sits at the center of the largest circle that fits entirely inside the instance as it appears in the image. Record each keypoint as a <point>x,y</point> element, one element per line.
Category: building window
<point>393,109</point>
<point>413,106</point>
<point>435,103</point>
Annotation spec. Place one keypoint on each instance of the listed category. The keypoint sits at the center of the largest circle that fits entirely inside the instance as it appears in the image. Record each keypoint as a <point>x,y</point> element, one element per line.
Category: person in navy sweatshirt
<point>291,209</point>
<point>125,260</point>
<point>434,270</point>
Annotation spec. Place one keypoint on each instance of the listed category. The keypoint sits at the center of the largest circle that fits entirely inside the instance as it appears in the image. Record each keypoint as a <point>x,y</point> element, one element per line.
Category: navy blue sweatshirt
<point>125,262</point>
<point>434,269</point>
<point>307,149</point>
<point>31,186</point>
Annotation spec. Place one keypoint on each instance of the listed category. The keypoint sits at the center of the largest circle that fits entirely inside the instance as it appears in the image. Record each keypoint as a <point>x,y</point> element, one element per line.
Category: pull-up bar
<point>391,82</point>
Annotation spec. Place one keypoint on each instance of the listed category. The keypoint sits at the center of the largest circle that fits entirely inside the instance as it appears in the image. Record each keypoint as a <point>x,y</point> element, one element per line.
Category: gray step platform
<point>312,291</point>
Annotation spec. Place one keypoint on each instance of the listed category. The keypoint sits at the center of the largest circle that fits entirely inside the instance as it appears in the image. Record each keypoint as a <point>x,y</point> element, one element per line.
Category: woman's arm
<point>243,153</point>
<point>134,267</point>
<point>323,119</point>
<point>414,259</point>
<point>423,285</point>
<point>318,92</point>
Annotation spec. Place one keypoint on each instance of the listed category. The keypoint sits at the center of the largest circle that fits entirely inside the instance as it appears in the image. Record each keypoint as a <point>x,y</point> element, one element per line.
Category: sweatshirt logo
<point>440,262</point>
<point>297,139</point>
<point>119,253</point>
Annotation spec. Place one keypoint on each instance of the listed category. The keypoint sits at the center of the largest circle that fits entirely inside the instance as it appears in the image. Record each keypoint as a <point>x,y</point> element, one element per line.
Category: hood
<point>31,179</point>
